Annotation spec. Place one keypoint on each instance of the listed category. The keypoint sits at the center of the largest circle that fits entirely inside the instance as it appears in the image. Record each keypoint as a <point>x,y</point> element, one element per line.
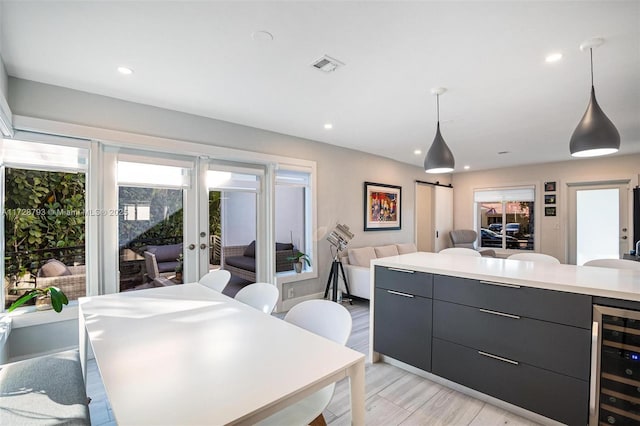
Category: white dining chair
<point>327,319</point>
<point>216,280</point>
<point>262,296</point>
<point>534,257</point>
<point>462,251</point>
<point>614,263</point>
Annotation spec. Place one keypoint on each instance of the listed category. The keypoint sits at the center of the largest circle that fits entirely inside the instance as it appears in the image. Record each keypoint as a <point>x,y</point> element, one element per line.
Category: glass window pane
<point>44,226</point>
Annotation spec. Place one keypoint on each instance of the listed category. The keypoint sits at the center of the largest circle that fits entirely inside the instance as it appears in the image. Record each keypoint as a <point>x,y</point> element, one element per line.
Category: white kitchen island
<point>518,333</point>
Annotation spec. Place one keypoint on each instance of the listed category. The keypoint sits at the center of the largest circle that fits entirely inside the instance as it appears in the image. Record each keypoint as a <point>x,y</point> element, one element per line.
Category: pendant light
<point>595,134</point>
<point>439,158</point>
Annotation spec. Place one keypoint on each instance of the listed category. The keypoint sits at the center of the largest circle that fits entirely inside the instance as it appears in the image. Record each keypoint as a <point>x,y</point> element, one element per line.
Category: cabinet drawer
<point>404,280</point>
<point>550,394</point>
<point>556,347</point>
<point>402,327</point>
<point>556,306</point>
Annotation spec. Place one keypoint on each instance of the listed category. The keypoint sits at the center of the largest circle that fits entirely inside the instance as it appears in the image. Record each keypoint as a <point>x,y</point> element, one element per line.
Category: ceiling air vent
<point>327,64</point>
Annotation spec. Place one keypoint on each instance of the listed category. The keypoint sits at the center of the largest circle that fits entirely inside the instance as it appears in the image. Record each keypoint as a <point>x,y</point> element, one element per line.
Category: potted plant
<point>45,298</point>
<point>297,259</point>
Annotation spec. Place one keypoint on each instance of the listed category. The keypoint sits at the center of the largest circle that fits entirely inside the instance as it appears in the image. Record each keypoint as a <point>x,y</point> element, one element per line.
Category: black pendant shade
<point>595,134</point>
<point>439,158</point>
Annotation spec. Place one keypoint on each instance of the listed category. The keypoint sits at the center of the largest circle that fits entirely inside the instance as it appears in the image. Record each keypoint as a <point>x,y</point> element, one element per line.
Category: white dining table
<point>188,355</point>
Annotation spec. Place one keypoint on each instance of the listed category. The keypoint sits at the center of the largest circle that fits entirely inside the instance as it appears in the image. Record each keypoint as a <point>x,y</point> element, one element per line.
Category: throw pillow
<point>386,251</point>
<point>250,251</point>
<point>53,268</point>
<point>361,256</point>
<point>406,248</point>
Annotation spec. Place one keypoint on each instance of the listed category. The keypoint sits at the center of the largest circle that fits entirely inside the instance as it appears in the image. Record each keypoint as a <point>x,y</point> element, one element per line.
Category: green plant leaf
<point>58,298</point>
<point>24,299</point>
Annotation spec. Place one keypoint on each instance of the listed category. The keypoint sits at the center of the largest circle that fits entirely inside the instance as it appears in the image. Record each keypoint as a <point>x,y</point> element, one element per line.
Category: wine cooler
<point>615,375</point>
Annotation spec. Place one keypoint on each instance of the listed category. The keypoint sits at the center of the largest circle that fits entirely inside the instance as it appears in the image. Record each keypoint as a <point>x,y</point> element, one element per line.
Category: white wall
<point>553,231</point>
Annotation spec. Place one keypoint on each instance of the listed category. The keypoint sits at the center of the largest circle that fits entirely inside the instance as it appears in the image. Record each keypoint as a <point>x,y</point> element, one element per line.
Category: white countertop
<point>590,280</point>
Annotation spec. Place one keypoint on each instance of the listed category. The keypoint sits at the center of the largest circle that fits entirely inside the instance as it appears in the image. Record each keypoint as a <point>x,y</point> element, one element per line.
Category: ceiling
<point>200,58</point>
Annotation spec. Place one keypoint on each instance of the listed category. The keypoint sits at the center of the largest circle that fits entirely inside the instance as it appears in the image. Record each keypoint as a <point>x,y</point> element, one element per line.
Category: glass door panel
<point>232,223</point>
<point>150,224</point>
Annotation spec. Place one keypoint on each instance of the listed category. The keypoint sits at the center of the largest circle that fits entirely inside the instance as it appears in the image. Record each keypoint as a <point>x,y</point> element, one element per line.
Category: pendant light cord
<point>591,54</point>
<point>438,107</point>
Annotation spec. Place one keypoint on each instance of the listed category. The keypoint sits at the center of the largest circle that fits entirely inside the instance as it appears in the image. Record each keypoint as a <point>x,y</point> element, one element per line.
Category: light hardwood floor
<point>393,396</point>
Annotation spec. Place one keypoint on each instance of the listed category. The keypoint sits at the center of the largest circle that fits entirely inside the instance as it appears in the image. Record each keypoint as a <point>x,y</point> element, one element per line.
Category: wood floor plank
<point>447,407</point>
<point>410,391</point>
<point>379,412</point>
<point>492,415</point>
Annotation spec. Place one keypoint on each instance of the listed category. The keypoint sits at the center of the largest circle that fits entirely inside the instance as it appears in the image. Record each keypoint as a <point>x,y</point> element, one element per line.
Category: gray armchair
<point>466,238</point>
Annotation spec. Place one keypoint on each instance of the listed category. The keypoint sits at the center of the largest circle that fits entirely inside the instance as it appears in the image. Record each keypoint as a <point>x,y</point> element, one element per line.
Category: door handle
<point>624,237</point>
<point>191,246</point>
<point>203,246</point>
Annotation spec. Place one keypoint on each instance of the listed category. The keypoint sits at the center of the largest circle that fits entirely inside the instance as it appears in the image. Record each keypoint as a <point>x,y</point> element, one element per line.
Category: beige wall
<point>552,231</point>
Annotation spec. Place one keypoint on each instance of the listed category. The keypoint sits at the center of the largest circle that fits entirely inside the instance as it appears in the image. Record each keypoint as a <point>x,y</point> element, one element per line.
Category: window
<point>292,201</point>
<point>44,218</point>
<point>506,218</point>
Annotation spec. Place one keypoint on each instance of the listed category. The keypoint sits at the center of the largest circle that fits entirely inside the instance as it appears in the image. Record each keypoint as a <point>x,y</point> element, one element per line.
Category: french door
<point>598,221</point>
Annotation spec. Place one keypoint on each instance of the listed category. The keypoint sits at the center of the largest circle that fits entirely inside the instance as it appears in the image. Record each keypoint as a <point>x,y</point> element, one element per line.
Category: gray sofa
<point>166,256</point>
<point>241,260</point>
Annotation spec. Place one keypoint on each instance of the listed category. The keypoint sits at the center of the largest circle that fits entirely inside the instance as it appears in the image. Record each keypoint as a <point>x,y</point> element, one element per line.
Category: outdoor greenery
<point>44,215</point>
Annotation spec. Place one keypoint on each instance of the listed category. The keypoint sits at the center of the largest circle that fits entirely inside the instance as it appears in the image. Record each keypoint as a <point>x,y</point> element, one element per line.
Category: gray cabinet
<point>526,346</point>
<point>550,394</point>
<point>403,316</point>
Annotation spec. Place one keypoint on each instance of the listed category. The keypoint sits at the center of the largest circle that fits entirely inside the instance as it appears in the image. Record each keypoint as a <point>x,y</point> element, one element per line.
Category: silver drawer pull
<point>502,314</point>
<point>400,294</point>
<point>499,358</point>
<point>500,284</point>
<point>406,271</point>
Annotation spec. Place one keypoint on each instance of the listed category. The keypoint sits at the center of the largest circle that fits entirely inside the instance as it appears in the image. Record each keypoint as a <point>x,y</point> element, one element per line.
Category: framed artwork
<point>550,198</point>
<point>382,207</point>
<point>549,211</point>
<point>549,186</point>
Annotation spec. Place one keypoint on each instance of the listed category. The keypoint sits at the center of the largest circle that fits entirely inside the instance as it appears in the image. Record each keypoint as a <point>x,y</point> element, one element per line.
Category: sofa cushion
<point>406,248</point>
<point>53,268</point>
<point>242,262</point>
<point>361,256</point>
<point>168,266</point>
<point>166,253</point>
<point>386,251</point>
<point>284,246</point>
<point>250,251</point>
<point>44,391</point>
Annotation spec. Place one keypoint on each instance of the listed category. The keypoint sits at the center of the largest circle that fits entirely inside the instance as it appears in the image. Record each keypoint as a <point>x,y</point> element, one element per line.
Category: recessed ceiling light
<point>417,151</point>
<point>328,126</point>
<point>125,70</point>
<point>262,36</point>
<point>467,167</point>
<point>554,57</point>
